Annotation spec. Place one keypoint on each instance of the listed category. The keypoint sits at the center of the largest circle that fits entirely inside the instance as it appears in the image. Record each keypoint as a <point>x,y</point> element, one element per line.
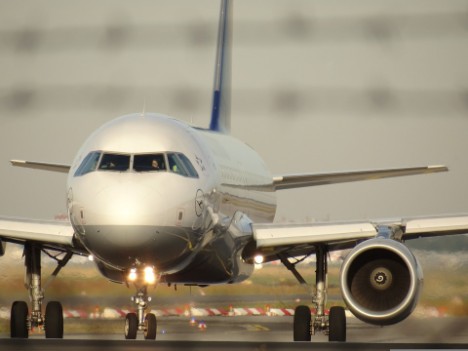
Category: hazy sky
<point>317,86</point>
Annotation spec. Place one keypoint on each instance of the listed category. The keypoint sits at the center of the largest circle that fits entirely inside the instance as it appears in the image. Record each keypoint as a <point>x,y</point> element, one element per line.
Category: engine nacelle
<point>110,273</point>
<point>381,281</point>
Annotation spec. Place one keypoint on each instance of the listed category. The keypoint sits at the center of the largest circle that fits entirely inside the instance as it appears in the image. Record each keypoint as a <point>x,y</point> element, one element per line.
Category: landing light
<point>132,276</point>
<point>150,277</point>
<point>259,259</point>
<point>147,276</point>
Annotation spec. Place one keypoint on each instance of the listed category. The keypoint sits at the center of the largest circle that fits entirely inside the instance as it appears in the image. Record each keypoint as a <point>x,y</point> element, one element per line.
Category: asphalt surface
<point>254,333</point>
<point>72,345</point>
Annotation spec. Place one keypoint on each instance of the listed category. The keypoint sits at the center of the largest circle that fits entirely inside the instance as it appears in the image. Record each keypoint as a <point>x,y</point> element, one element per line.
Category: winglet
<point>221,104</point>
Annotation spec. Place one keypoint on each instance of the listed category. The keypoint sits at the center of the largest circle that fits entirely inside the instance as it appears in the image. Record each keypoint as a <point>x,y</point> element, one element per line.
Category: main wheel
<point>19,320</point>
<point>302,320</point>
<point>131,326</point>
<point>53,323</point>
<point>151,326</point>
<point>337,324</point>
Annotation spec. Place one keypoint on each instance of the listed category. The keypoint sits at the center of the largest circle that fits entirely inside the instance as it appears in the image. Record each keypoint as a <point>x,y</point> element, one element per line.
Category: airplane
<point>156,201</point>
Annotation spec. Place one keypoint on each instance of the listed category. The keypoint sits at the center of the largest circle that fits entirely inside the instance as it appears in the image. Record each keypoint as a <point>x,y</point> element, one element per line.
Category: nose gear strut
<point>140,321</point>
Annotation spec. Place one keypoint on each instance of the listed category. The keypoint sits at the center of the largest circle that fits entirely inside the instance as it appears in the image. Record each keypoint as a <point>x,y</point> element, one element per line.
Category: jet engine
<point>381,281</point>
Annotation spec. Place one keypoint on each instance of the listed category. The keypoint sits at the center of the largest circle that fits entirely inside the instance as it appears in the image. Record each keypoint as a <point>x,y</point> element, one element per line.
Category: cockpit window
<point>89,163</point>
<point>149,162</point>
<point>115,162</point>
<point>172,161</point>
<point>180,164</point>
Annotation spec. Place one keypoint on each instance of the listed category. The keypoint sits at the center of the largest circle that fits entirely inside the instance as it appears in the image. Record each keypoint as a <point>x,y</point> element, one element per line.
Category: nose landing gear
<point>141,321</point>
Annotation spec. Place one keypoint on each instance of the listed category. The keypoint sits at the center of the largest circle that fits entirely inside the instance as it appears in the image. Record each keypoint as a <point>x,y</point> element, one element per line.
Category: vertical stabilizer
<point>221,106</point>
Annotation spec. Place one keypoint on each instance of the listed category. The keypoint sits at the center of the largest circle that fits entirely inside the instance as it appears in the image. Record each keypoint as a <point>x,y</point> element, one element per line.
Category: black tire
<point>19,320</point>
<point>53,323</point>
<point>302,320</point>
<point>151,326</point>
<point>131,326</point>
<point>337,324</point>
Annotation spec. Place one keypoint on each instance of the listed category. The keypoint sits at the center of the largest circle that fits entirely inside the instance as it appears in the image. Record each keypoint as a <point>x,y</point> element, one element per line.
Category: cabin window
<point>89,164</point>
<point>114,162</point>
<point>149,162</point>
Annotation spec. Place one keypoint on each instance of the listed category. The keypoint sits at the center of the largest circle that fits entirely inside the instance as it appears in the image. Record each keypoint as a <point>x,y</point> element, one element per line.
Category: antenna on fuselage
<point>143,112</point>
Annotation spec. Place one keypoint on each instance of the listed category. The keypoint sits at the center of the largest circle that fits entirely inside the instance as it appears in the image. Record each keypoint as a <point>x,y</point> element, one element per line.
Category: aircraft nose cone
<point>137,218</point>
<point>127,203</point>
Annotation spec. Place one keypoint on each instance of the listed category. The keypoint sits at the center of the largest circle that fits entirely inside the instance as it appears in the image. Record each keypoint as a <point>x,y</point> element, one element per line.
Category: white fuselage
<point>126,213</point>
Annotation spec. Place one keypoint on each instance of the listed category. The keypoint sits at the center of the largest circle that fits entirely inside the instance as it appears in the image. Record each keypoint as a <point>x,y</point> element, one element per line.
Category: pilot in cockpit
<point>155,164</point>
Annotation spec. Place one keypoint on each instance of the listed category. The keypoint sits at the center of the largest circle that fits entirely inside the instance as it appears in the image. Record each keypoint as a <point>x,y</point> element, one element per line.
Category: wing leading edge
<point>51,234</point>
<point>41,165</point>
<point>297,239</point>
<point>304,180</point>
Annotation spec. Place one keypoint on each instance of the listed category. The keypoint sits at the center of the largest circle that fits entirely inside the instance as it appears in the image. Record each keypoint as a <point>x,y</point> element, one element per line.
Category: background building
<point>317,86</point>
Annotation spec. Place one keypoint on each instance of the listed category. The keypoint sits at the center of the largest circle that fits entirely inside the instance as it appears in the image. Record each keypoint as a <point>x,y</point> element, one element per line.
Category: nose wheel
<point>149,326</point>
<point>131,326</point>
<point>141,321</point>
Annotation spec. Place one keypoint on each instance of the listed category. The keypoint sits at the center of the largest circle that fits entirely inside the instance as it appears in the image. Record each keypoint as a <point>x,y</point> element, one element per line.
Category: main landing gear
<point>307,324</point>
<point>141,321</point>
<point>21,321</point>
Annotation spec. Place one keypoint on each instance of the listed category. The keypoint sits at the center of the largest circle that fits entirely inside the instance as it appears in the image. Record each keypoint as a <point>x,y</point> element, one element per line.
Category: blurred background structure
<point>318,86</point>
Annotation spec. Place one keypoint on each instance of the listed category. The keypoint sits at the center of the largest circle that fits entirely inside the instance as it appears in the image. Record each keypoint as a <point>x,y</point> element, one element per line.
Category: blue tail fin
<point>221,105</point>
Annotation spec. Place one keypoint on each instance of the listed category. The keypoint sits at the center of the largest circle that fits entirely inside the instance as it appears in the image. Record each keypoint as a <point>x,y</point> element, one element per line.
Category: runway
<point>252,333</point>
<point>72,345</point>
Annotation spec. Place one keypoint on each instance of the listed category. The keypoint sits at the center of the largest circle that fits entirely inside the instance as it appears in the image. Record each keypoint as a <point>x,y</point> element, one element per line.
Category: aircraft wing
<point>299,239</point>
<point>304,180</point>
<point>41,165</point>
<point>51,234</point>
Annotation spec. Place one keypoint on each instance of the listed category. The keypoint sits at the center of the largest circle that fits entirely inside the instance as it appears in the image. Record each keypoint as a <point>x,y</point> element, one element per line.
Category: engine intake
<point>381,281</point>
